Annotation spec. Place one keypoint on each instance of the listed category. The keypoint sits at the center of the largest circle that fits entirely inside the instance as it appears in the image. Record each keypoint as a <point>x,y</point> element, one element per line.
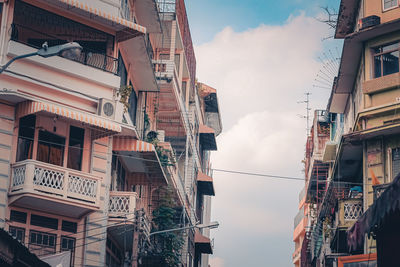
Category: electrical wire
<point>212,169</point>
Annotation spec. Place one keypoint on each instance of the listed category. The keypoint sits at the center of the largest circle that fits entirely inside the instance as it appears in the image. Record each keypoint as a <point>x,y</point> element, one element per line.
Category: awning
<point>376,215</point>
<point>30,107</point>
<point>207,137</point>
<point>210,106</point>
<point>205,184</point>
<point>147,14</point>
<point>139,157</point>
<point>202,244</point>
<point>346,18</point>
<point>135,53</point>
<point>329,154</point>
<point>125,29</point>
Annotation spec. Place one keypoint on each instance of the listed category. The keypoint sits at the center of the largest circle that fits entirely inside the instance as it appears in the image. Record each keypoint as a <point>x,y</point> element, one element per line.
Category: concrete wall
<point>375,7</point>
<point>7,119</point>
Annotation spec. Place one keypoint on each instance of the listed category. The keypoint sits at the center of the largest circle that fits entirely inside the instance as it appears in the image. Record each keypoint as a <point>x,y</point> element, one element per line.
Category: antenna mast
<point>308,109</point>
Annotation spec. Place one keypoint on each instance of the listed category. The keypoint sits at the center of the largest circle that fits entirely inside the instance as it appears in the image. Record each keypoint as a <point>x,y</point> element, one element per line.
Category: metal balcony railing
<point>87,57</point>
<point>166,6</point>
<point>30,176</point>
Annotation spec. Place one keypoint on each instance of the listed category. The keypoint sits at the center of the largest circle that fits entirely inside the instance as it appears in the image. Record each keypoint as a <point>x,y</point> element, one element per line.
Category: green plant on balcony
<point>168,246</point>
<point>162,153</point>
<point>124,93</point>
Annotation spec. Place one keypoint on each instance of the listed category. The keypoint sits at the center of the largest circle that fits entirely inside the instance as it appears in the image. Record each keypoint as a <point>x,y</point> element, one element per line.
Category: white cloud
<point>260,74</point>
<point>266,68</point>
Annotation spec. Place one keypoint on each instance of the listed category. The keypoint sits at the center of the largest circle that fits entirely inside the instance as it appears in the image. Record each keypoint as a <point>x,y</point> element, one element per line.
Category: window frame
<point>383,53</point>
<point>390,8</point>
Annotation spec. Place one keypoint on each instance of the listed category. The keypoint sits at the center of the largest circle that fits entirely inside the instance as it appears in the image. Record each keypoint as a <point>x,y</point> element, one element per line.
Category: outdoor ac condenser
<point>106,108</point>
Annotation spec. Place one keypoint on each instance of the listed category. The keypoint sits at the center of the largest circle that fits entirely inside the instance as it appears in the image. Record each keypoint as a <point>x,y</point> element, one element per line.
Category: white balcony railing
<point>122,204</point>
<point>164,69</point>
<point>352,209</point>
<point>349,211</point>
<point>31,176</point>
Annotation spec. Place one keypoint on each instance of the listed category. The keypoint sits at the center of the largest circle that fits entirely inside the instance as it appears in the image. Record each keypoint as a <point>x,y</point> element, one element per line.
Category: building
<point>89,142</point>
<point>356,215</point>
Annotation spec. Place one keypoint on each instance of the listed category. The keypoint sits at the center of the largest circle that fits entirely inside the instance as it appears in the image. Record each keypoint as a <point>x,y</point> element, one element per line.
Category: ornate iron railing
<point>32,176</point>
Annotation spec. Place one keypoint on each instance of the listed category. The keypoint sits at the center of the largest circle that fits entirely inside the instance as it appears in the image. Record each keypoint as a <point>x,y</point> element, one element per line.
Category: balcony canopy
<point>124,29</point>
<point>205,184</point>
<point>202,244</point>
<point>140,157</point>
<point>31,107</point>
<point>207,138</point>
<point>136,53</point>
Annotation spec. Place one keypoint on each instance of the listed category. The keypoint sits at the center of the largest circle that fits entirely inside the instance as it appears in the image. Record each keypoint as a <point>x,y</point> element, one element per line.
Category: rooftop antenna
<point>308,109</point>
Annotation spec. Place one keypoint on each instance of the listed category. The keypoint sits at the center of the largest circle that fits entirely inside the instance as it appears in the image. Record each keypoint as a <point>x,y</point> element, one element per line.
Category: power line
<point>259,174</point>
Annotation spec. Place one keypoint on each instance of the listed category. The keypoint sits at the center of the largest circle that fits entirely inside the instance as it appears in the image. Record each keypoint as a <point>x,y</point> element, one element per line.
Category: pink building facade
<point>79,172</point>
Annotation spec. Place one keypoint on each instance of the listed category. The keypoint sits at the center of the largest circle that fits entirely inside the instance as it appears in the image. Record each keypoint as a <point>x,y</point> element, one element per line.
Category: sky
<point>261,56</point>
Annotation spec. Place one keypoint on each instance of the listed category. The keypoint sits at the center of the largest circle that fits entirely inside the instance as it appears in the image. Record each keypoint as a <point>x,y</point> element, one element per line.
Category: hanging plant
<point>124,93</point>
<point>162,153</point>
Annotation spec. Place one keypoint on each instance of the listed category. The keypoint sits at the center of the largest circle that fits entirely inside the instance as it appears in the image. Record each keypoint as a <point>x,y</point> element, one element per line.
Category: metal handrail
<point>87,57</point>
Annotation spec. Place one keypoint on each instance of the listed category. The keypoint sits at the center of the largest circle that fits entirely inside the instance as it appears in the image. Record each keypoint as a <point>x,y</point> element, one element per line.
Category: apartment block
<point>91,140</point>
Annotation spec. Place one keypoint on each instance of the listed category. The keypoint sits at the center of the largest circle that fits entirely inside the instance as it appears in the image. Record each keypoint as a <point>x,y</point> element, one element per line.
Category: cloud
<point>260,75</point>
<point>269,67</point>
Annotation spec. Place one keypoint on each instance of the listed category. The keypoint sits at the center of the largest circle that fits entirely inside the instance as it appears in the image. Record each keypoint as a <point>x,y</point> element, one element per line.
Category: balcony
<point>165,70</point>
<point>122,206</point>
<point>88,57</point>
<point>54,189</point>
<point>349,211</point>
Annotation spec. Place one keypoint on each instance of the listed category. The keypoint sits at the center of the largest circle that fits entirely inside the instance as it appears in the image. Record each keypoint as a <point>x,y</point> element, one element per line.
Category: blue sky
<point>207,17</point>
<point>261,56</point>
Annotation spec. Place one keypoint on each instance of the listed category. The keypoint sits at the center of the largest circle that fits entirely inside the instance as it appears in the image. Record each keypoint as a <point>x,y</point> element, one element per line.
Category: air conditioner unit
<point>106,108</point>
<point>369,21</point>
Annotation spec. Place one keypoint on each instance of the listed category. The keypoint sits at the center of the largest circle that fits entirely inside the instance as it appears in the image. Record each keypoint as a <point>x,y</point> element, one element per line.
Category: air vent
<point>369,21</point>
<point>106,108</point>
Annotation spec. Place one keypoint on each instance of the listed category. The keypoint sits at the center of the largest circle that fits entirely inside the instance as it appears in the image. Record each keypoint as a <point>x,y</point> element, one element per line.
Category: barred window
<point>386,59</point>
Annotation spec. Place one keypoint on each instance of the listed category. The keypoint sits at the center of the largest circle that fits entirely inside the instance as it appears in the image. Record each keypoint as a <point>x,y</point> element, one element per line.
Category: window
<point>26,134</point>
<point>50,148</point>
<point>132,105</point>
<point>114,255</point>
<point>18,233</point>
<point>68,226</point>
<point>43,221</point>
<point>386,60</point>
<point>42,243</point>
<point>18,216</point>
<point>118,173</point>
<point>75,148</point>
<point>68,244</point>
<point>388,4</point>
